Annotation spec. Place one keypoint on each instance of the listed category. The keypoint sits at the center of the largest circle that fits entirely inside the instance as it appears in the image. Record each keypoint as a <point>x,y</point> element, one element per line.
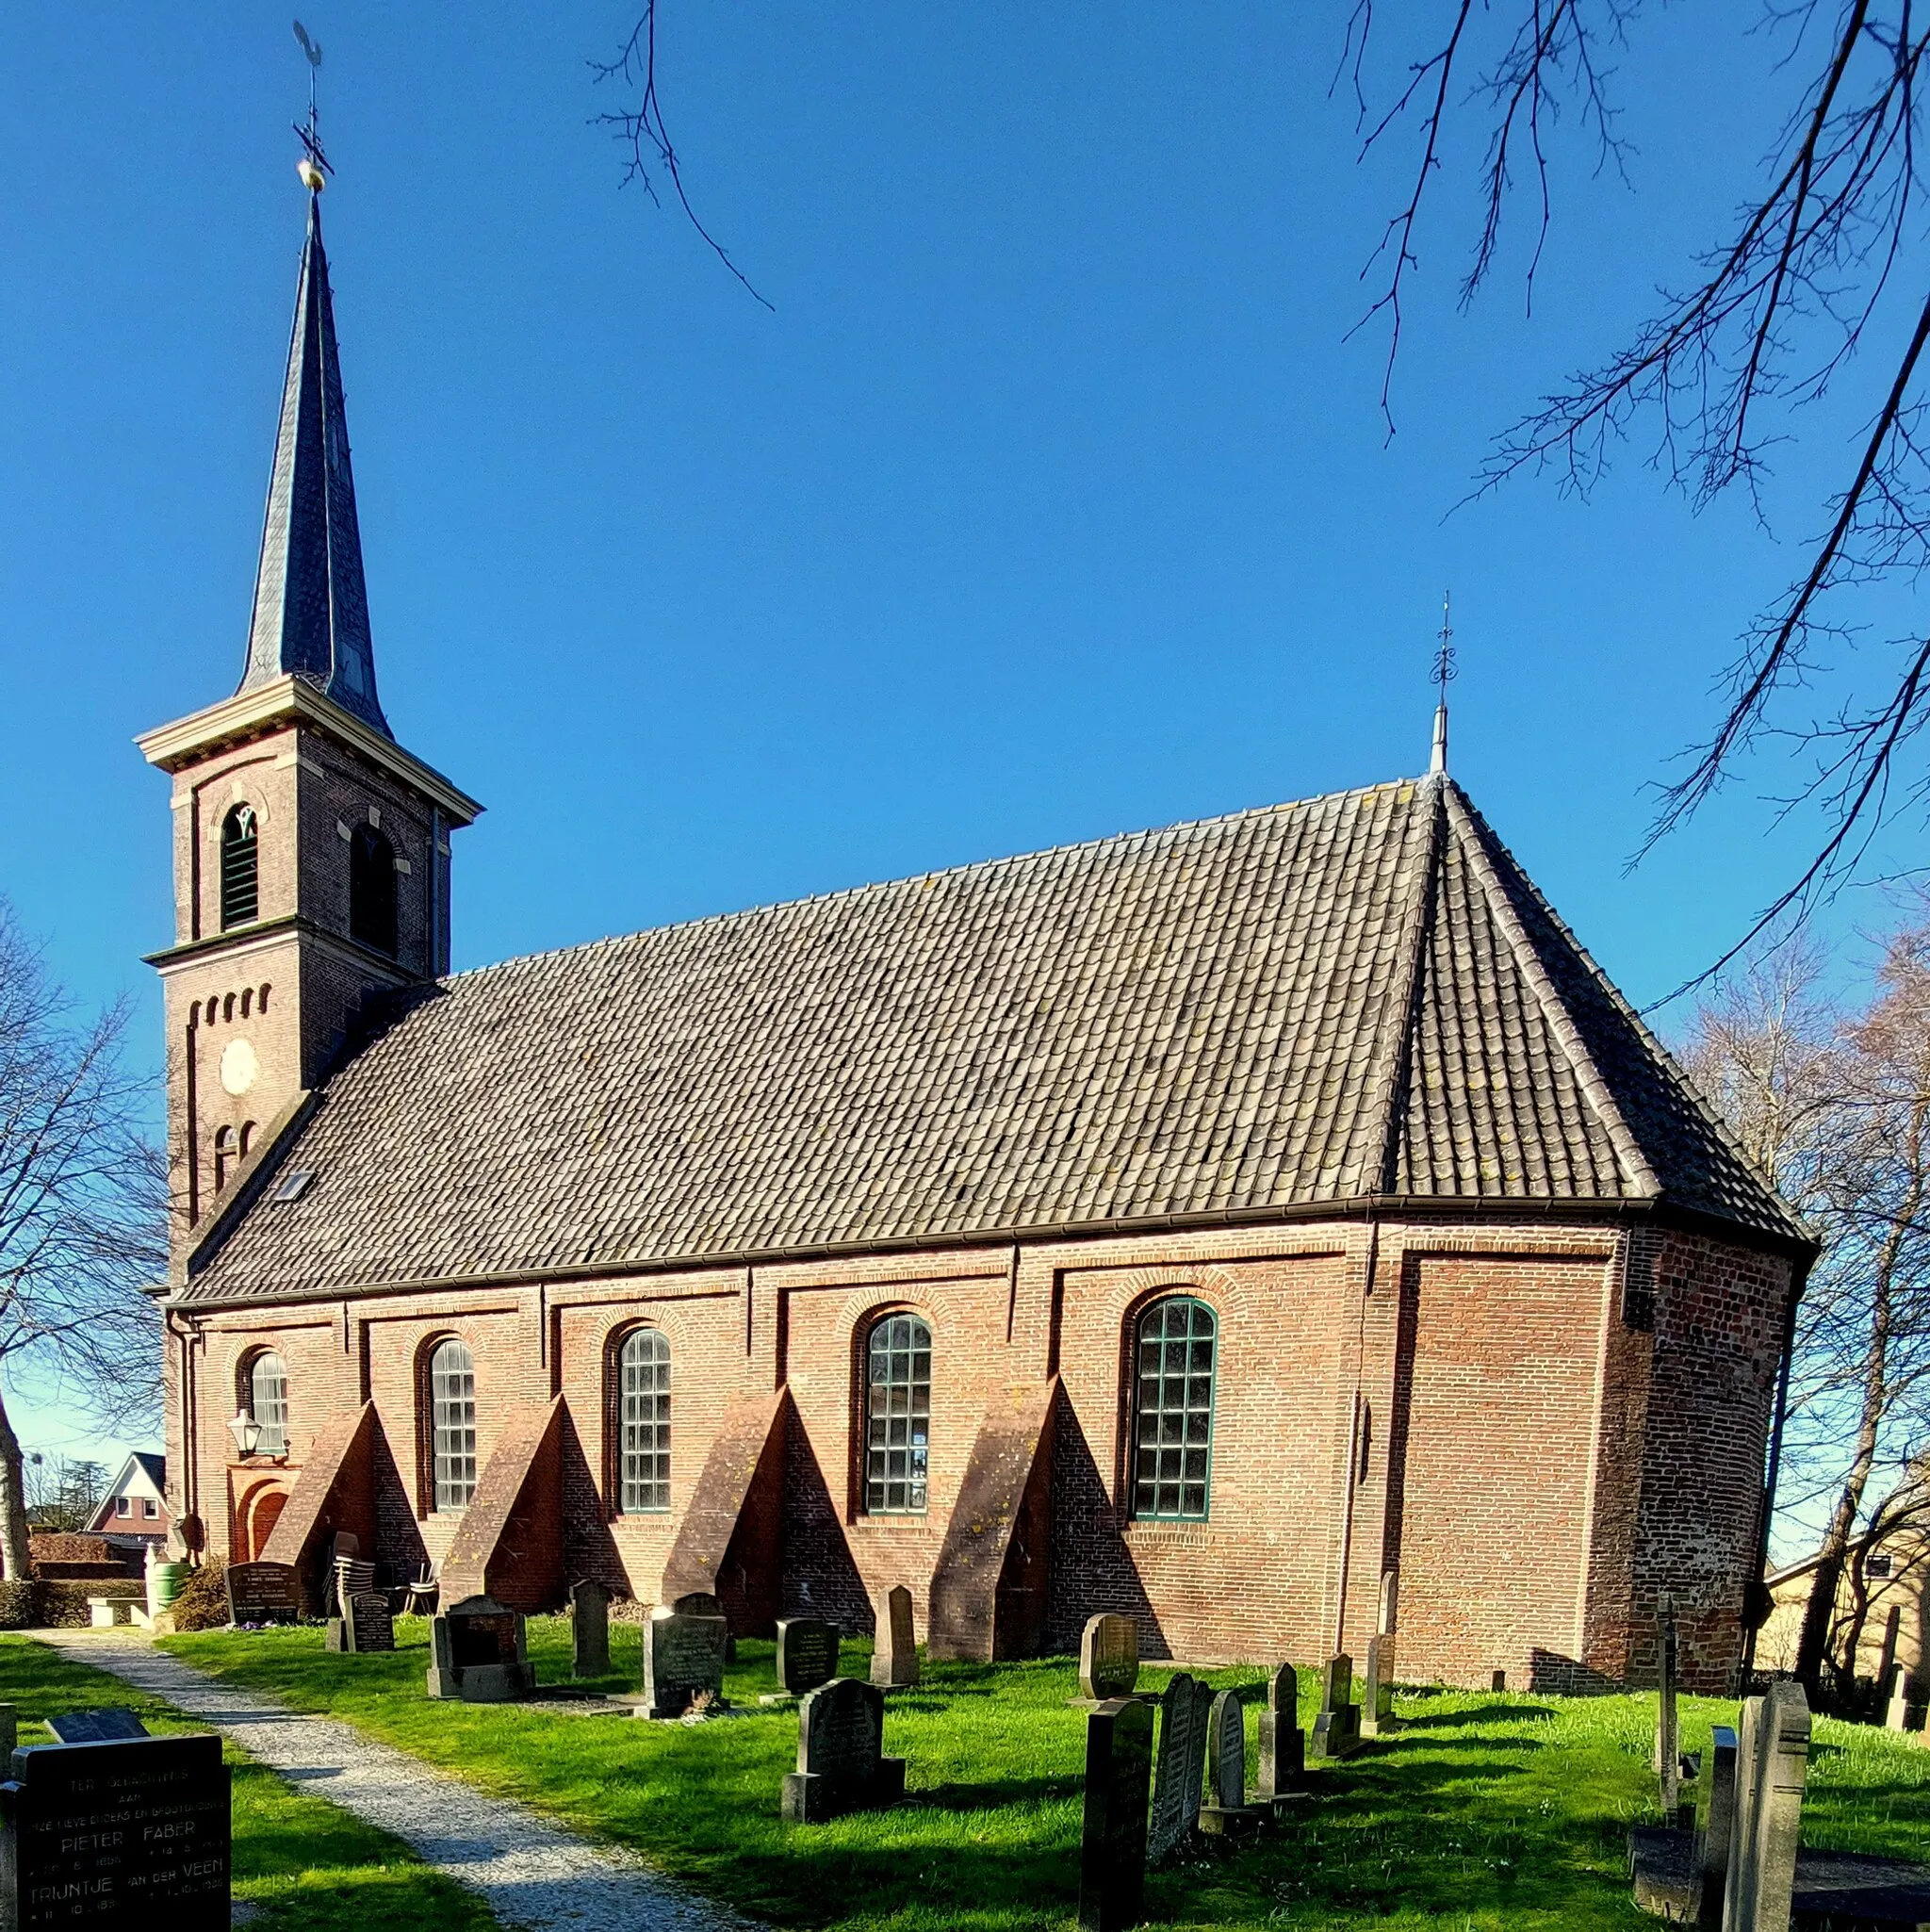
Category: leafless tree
<point>82,1217</point>
<point>62,1492</point>
<point>1837,1107</point>
<point>1822,264</point>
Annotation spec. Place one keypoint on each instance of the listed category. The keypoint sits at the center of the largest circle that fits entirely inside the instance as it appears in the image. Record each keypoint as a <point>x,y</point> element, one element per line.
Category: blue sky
<point>1052,501</point>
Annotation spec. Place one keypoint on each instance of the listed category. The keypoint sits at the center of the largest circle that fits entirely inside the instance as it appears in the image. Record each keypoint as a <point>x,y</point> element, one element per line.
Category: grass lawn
<point>1487,1810</point>
<point>307,1866</point>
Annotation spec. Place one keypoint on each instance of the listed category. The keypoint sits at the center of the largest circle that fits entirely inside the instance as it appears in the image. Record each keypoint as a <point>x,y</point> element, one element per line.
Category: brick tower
<point>311,851</point>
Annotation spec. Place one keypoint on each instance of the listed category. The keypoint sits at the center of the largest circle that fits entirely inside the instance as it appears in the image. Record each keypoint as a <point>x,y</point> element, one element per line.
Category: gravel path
<point>530,1872</point>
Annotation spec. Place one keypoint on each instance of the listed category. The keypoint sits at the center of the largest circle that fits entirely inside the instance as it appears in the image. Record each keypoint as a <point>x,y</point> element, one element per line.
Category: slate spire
<point>311,608</point>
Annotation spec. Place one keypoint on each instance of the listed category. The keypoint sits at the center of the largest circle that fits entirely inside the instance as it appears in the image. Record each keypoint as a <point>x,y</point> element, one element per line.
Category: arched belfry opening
<point>373,889</point>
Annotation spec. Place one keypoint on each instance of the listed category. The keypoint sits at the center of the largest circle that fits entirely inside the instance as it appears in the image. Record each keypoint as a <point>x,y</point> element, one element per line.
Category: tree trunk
<point>14,1557</point>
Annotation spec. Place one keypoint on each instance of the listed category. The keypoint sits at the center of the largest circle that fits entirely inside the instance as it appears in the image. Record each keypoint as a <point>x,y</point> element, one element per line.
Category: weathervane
<point>313,166</point>
<point>1444,674</point>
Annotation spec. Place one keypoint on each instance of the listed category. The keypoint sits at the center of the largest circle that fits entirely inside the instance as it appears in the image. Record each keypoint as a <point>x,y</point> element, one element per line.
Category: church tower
<point>311,851</point>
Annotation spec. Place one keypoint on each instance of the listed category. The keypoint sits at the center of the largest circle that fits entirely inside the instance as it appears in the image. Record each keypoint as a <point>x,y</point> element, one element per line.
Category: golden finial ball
<point>312,177</point>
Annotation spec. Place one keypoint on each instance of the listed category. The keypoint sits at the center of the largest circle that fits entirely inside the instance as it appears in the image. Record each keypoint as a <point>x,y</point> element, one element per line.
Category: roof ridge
<point>945,872</point>
<point>1594,1088</point>
<point>1653,1041</point>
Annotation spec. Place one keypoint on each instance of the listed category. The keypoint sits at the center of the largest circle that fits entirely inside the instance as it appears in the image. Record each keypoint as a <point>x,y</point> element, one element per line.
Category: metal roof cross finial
<point>313,166</point>
<point>1444,674</point>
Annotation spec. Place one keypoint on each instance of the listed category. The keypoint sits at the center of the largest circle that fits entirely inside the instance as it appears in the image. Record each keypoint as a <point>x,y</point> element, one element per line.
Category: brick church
<point>1199,1222</point>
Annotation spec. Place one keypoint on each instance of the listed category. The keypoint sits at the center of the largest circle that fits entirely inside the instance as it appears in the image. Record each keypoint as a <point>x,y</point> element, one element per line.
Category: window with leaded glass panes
<point>452,1423</point>
<point>897,1417</point>
<point>1172,1409</point>
<point>267,1403</point>
<point>643,1391</point>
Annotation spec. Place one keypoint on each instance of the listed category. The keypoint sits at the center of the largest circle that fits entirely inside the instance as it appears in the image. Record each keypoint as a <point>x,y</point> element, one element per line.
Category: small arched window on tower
<point>241,868</point>
<point>453,1424</point>
<point>644,1383</point>
<point>897,1417</point>
<point>373,889</point>
<point>267,1399</point>
<point>227,1156</point>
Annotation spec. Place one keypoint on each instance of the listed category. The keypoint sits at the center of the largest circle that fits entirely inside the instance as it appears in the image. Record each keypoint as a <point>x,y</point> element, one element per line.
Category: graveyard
<point>1474,1810</point>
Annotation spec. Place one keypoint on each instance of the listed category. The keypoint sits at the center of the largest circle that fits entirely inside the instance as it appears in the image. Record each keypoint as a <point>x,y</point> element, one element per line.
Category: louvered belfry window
<point>241,868</point>
<point>267,1403</point>
<point>644,1370</point>
<point>1172,1409</point>
<point>452,1423</point>
<point>897,1417</point>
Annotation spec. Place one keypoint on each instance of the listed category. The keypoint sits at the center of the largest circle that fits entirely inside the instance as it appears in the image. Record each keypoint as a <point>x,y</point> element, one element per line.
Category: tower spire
<point>311,605</point>
<point>1444,674</point>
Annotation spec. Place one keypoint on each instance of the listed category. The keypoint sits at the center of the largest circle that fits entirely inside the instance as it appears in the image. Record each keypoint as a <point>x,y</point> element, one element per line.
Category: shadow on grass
<point>1480,1714</point>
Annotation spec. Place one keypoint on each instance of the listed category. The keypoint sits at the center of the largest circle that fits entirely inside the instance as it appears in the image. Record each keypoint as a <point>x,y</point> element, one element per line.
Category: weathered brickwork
<point>1468,1402</point>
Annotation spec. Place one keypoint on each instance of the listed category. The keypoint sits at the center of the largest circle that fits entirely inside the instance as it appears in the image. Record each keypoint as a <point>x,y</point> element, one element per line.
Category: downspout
<point>1799,1280</point>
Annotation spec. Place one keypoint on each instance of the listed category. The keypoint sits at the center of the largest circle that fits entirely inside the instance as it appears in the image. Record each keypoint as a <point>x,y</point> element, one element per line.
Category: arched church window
<point>227,1153</point>
<point>241,868</point>
<point>643,1392</point>
<point>265,1398</point>
<point>453,1424</point>
<point>897,1417</point>
<point>1172,1409</point>
<point>373,889</point>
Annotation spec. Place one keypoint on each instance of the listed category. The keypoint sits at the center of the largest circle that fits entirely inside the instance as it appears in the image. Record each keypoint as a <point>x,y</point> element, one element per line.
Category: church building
<point>1202,1223</point>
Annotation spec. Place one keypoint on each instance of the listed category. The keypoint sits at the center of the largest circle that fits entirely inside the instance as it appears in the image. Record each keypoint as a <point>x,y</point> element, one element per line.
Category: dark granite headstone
<point>1180,1764</point>
<point>702,1603</point>
<point>114,1723</point>
<point>1283,1750</point>
<point>895,1655</point>
<point>1715,1841</point>
<point>263,1593</point>
<point>1337,1729</point>
<point>841,1764</point>
<point>1112,1847</point>
<point>478,1653</point>
<point>127,1836</point>
<point>683,1659</point>
<point>1108,1657</point>
<point>589,1627</point>
<point>1226,1813</point>
<point>371,1623</point>
<point>807,1654</point>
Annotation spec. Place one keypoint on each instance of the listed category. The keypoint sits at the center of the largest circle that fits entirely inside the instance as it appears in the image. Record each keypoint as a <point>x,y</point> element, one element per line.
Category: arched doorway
<point>259,1511</point>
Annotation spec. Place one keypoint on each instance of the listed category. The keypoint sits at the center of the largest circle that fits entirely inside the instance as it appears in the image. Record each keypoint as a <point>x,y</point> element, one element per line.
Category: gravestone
<point>1501,1681</point>
<point>841,1764</point>
<point>1772,1762</point>
<point>701,1603</point>
<point>1667,1759</point>
<point>1283,1750</point>
<point>112,1725</point>
<point>894,1657</point>
<point>1714,1841</point>
<point>366,1624</point>
<point>1897,1714</point>
<point>1377,1710</point>
<point>1226,1814</point>
<point>1893,1630</point>
<point>1108,1658</point>
<point>353,1578</point>
<point>9,1731</point>
<point>263,1593</point>
<point>589,1629</point>
<point>807,1654</point>
<point>1179,1764</point>
<point>683,1659</point>
<point>1390,1603</point>
<point>477,1652</point>
<point>121,1837</point>
<point>1337,1729</point>
<point>1112,1845</point>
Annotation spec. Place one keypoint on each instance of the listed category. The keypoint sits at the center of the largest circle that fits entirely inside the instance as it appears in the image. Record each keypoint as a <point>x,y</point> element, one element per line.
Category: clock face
<point>238,1067</point>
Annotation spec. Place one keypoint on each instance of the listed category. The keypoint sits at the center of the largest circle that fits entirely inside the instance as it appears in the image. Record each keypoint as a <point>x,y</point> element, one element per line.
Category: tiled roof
<point>1359,996</point>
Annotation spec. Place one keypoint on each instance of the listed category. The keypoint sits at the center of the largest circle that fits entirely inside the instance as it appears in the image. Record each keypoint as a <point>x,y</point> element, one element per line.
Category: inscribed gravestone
<point>124,1836</point>
<point>478,1653</point>
<point>895,1658</point>
<point>111,1725</point>
<point>1377,1711</point>
<point>702,1603</point>
<point>1180,1764</point>
<point>1772,1760</point>
<point>1714,1846</point>
<point>263,1593</point>
<point>366,1624</point>
<point>1337,1729</point>
<point>589,1627</point>
<point>1282,1751</point>
<point>683,1659</point>
<point>807,1654</point>
<point>841,1764</point>
<point>1108,1657</point>
<point>1112,1846</point>
<point>1225,1812</point>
